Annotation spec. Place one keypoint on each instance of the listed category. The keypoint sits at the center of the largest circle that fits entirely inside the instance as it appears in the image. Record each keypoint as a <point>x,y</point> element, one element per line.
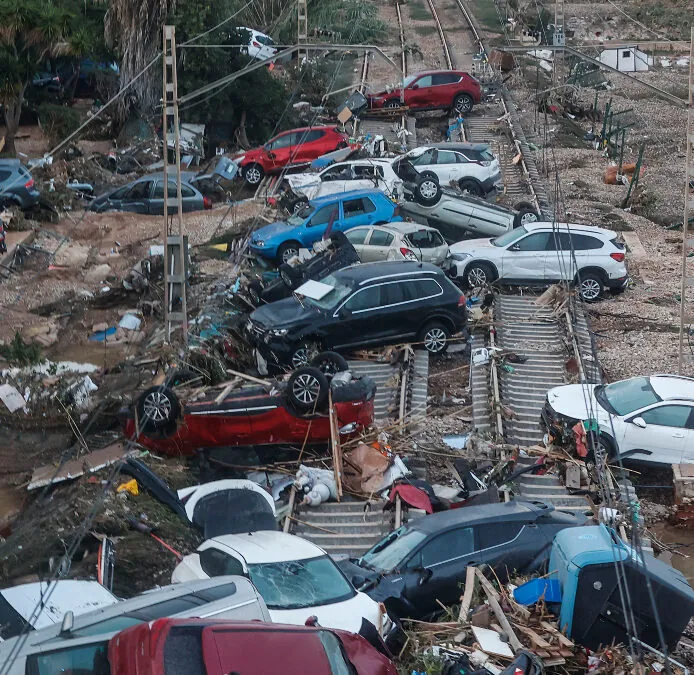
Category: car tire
<point>590,286</point>
<point>157,409</point>
<point>287,251</point>
<point>393,103</point>
<point>289,275</point>
<point>427,190</point>
<point>307,389</point>
<point>472,187</point>
<point>254,291</point>
<point>182,376</point>
<point>253,174</point>
<point>435,337</point>
<point>479,274</point>
<point>526,214</point>
<point>462,103</point>
<point>304,353</point>
<point>330,363</point>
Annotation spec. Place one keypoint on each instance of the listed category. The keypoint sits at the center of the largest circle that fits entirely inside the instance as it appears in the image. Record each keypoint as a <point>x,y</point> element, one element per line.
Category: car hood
<point>472,246</point>
<point>381,94</point>
<point>378,586</point>
<point>251,155</point>
<point>270,231</point>
<point>302,179</point>
<point>575,401</point>
<point>345,615</point>
<point>283,313</point>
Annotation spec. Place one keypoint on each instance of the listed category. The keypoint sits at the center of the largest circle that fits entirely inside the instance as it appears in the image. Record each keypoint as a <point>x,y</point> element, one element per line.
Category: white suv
<point>648,419</point>
<point>543,253</point>
<point>259,45</point>
<point>472,166</point>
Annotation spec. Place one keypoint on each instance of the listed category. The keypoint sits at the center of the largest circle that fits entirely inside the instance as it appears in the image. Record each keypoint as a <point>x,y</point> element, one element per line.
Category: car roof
<point>436,72</point>
<point>10,162</point>
<point>570,227</point>
<point>269,546</point>
<point>479,515</point>
<point>365,272</point>
<point>460,146</point>
<point>352,194</point>
<point>670,387</point>
<point>320,127</point>
<point>406,227</point>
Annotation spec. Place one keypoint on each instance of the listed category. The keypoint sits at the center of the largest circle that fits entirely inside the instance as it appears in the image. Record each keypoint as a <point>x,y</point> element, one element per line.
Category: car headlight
<point>461,256</point>
<point>278,332</point>
<point>259,243</point>
<point>238,160</point>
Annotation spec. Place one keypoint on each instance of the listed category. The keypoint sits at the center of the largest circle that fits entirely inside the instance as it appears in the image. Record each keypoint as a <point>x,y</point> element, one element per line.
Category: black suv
<point>371,304</point>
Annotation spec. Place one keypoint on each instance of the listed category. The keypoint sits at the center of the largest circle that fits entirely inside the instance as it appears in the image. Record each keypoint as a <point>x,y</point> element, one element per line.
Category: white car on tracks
<point>544,253</point>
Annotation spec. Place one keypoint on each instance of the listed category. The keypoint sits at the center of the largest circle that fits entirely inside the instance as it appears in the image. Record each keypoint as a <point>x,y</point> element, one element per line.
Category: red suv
<point>433,90</point>
<point>293,147</point>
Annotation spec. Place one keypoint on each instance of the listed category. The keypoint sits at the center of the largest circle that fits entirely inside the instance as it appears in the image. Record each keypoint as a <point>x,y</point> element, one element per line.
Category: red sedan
<point>206,646</point>
<point>290,148</point>
<point>280,414</point>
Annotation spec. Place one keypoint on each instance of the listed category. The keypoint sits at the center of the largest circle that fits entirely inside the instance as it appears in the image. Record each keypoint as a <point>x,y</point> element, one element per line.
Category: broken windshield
<point>298,218</point>
<point>622,398</point>
<point>300,583</point>
<point>391,551</point>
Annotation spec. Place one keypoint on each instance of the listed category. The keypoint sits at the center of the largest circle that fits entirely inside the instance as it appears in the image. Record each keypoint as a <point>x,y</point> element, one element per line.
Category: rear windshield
<point>425,239</point>
<point>87,659</point>
<point>617,243</point>
<point>485,155</point>
<point>264,40</point>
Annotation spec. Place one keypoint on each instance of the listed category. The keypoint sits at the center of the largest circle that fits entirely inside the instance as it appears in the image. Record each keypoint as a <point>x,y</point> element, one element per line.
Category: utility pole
<point>175,243</point>
<point>559,40</point>
<point>687,282</point>
<point>302,7</point>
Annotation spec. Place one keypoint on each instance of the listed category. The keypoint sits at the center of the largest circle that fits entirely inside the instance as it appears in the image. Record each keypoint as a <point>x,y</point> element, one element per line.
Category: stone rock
<point>97,274</point>
<point>98,327</point>
<point>72,255</point>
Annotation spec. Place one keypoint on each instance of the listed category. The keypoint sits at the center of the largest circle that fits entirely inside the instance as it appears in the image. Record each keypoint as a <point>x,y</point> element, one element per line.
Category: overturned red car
<point>281,413</point>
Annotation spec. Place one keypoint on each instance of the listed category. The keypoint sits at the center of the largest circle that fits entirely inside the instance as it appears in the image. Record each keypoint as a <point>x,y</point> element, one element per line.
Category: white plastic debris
<point>12,399</point>
<point>130,322</point>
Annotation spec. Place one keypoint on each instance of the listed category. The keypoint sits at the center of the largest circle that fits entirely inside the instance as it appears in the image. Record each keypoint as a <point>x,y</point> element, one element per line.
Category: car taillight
<point>255,44</point>
<point>206,203</point>
<point>619,257</point>
<point>407,254</point>
<point>29,183</point>
<point>462,301</point>
<point>485,162</point>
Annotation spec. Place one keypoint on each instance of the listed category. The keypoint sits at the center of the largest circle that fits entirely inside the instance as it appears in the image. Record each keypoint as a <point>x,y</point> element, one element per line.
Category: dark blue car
<point>282,240</point>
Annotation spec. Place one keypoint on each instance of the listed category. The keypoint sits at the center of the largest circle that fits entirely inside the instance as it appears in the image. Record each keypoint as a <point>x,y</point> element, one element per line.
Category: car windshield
<point>300,216</point>
<point>391,551</point>
<point>92,659</point>
<point>509,237</point>
<point>300,583</point>
<point>341,289</point>
<point>622,398</point>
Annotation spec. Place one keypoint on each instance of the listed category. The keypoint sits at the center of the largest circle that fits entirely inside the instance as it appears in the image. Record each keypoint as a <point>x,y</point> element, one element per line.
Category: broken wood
<point>315,527</point>
<point>335,446</point>
<point>250,378</point>
<point>227,390</point>
<point>561,638</point>
<point>288,519</point>
<point>537,640</point>
<point>470,579</point>
<point>493,599</point>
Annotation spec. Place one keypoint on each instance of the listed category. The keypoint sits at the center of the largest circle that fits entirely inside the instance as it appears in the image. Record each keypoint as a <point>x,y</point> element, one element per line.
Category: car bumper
<point>263,251</point>
<point>617,284</point>
<point>493,182</point>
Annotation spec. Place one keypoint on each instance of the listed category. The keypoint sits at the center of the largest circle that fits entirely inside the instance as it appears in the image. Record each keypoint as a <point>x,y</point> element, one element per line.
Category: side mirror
<point>344,313</point>
<point>639,422</point>
<point>424,576</point>
<point>414,86</point>
<point>358,581</point>
<point>271,155</point>
<point>515,247</point>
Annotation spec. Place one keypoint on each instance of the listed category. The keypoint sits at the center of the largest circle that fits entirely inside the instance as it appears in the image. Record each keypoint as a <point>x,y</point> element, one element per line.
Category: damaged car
<point>425,560</point>
<point>647,419</point>
<point>372,304</point>
<point>296,578</point>
<point>274,414</point>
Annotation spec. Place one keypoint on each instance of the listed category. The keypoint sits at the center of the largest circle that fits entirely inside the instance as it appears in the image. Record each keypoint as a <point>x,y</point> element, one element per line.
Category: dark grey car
<point>16,185</point>
<point>146,196</point>
<point>426,559</point>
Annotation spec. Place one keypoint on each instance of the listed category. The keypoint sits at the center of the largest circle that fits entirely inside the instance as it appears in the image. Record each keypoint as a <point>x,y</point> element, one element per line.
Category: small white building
<point>626,59</point>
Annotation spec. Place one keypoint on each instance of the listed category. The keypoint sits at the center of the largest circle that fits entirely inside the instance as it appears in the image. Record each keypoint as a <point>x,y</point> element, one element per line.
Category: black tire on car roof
<point>427,190</point>
<point>157,410</point>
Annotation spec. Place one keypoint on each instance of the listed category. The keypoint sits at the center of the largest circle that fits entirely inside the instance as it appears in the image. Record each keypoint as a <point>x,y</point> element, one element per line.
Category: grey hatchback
<point>146,196</point>
<point>16,185</point>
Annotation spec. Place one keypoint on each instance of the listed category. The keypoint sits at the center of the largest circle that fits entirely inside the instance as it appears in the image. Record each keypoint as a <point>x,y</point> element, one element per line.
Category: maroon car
<point>209,647</point>
<point>281,413</point>
<point>452,90</point>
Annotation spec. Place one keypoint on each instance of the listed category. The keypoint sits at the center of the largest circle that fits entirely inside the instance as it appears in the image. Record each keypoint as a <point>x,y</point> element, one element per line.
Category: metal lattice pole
<point>302,9</point>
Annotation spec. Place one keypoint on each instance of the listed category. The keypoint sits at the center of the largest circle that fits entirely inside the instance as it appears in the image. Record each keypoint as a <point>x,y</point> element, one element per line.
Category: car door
<point>355,212</point>
<point>447,166</point>
<point>279,150</point>
<point>559,262</point>
<point>418,94</point>
<point>367,176</point>
<point>377,245</point>
<point>218,563</point>
<point>436,569</point>
<point>587,251</point>
<point>136,199</point>
<point>317,225</point>
<point>358,319</point>
<point>486,220</point>
<point>308,146</point>
<point>661,429</point>
<point>403,302</point>
<point>357,237</point>
<point>524,260</point>
<point>504,545</point>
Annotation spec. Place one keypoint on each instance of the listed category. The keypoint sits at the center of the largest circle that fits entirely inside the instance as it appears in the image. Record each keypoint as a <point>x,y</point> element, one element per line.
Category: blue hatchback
<point>282,240</point>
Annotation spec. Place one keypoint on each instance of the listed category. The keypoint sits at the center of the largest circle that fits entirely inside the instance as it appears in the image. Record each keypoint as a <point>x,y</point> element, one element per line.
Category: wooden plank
<point>492,597</point>
<point>470,579</point>
<point>335,446</point>
<point>561,638</point>
<point>537,640</point>
<point>227,390</point>
<point>250,378</point>
<point>288,519</point>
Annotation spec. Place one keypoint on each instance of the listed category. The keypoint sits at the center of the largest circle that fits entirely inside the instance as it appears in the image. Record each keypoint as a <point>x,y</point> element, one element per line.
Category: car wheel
<point>463,103</point>
<point>253,174</point>
<point>182,376</point>
<point>307,389</point>
<point>157,409</point>
<point>479,274</point>
<point>303,354</point>
<point>393,103</point>
<point>330,363</point>
<point>427,189</point>
<point>435,336</point>
<point>255,290</point>
<point>590,286</point>
<point>471,187</point>
<point>287,251</point>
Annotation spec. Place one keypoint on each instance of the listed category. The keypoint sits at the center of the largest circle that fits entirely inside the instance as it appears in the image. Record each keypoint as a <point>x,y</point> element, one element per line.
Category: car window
<point>424,81</point>
<point>558,241</point>
<point>310,136</point>
<point>357,235</point>
<point>368,172</point>
<point>339,172</point>
<point>389,553</point>
<point>353,208</point>
<point>139,190</point>
<point>584,242</point>
<point>217,592</point>
<point>368,205</point>
<point>365,299</point>
<point>461,158</point>
<point>448,546</point>
<point>216,563</point>
<point>333,650</point>
<point>446,157</point>
<point>668,416</point>
<point>159,190</point>
<point>323,215</point>
<point>187,192</point>
<point>281,142</point>
<point>11,621</point>
<point>509,237</point>
<point>534,242</point>
<point>92,659</point>
<point>445,78</point>
<point>427,288</point>
<point>183,651</point>
<point>425,239</point>
<point>399,292</point>
<point>341,289</point>
<point>264,40</point>
<point>493,534</point>
<point>381,238</point>
<point>4,175</point>
<point>427,157</point>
